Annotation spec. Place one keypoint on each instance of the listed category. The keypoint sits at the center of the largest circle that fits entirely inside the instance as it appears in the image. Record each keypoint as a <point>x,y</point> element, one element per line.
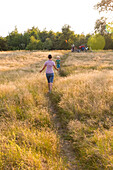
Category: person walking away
<point>58,61</point>
<point>49,64</point>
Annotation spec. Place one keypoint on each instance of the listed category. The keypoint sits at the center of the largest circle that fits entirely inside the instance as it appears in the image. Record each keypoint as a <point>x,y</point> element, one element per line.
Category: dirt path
<point>66,148</point>
<point>67,152</point>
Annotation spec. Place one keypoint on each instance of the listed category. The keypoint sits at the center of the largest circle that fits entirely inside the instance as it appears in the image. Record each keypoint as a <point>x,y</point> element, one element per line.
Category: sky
<point>48,14</point>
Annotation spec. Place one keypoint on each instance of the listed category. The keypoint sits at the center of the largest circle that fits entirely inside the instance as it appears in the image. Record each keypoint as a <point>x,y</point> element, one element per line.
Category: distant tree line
<point>34,39</point>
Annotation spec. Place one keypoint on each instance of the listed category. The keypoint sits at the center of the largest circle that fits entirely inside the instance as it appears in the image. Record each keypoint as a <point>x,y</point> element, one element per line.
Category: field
<point>71,128</point>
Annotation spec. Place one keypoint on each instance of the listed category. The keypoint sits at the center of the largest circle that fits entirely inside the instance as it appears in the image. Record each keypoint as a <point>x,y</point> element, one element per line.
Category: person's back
<point>49,65</point>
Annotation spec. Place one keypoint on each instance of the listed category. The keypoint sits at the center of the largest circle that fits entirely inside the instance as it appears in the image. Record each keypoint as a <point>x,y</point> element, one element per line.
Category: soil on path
<point>66,147</point>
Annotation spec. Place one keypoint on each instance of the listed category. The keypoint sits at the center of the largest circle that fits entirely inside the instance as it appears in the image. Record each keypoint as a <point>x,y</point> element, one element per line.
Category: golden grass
<point>86,62</point>
<point>27,139</point>
<point>89,94</point>
<point>85,101</point>
<point>20,59</point>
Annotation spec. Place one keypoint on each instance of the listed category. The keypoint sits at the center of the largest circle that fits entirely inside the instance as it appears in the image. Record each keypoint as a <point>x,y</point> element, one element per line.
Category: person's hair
<point>49,56</point>
<point>58,57</point>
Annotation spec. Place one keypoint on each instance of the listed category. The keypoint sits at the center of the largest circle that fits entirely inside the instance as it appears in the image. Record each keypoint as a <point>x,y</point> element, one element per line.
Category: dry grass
<point>20,64</point>
<point>85,101</point>
<point>27,139</point>
<point>86,62</point>
<point>22,59</point>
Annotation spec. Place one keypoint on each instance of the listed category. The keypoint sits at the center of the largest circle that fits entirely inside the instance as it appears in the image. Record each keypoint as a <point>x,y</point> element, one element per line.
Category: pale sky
<point>49,14</point>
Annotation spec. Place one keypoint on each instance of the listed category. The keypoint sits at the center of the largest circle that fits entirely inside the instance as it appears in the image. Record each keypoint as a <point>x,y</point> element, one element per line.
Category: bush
<point>96,42</point>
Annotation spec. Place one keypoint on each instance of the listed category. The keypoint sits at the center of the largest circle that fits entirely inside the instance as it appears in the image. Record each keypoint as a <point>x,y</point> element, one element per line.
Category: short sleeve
<point>53,63</point>
<point>45,64</point>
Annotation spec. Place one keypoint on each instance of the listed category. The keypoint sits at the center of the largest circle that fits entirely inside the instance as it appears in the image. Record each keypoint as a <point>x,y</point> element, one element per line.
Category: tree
<point>105,5</point>
<point>14,40</point>
<point>67,37</point>
<point>96,42</point>
<point>81,39</point>
<point>57,41</point>
<point>33,32</point>
<point>28,34</point>
<point>109,27</point>
<point>43,35</point>
<point>109,41</point>
<point>52,37</point>
<point>3,44</point>
<point>100,26</point>
<point>25,39</point>
<point>34,44</point>
<point>48,44</point>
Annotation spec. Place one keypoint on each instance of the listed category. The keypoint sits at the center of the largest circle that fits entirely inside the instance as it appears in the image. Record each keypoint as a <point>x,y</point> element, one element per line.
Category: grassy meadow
<point>82,98</point>
<point>27,136</point>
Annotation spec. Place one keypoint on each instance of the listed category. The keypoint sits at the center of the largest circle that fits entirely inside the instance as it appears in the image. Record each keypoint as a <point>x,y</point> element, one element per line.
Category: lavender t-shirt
<point>49,65</point>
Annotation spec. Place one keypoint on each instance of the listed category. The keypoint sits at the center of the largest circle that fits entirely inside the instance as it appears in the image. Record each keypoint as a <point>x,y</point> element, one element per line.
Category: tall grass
<point>84,101</point>
<point>86,62</point>
<point>27,136</point>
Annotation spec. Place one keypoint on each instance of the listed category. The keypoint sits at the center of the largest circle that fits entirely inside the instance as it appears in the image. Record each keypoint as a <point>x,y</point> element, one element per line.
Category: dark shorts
<point>50,77</point>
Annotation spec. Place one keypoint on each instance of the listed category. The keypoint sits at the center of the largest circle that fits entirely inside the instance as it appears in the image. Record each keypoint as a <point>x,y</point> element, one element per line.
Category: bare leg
<point>51,84</point>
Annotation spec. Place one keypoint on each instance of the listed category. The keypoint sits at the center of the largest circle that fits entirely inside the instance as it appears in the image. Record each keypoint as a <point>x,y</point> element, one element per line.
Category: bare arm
<point>43,68</point>
<point>56,68</point>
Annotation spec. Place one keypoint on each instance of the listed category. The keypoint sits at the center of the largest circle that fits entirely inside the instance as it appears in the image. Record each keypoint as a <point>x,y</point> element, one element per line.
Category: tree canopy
<point>105,5</point>
<point>96,42</point>
<point>34,39</point>
<point>100,26</point>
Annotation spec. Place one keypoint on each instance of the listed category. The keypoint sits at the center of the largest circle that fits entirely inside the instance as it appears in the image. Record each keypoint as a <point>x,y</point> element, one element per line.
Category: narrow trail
<point>67,152</point>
